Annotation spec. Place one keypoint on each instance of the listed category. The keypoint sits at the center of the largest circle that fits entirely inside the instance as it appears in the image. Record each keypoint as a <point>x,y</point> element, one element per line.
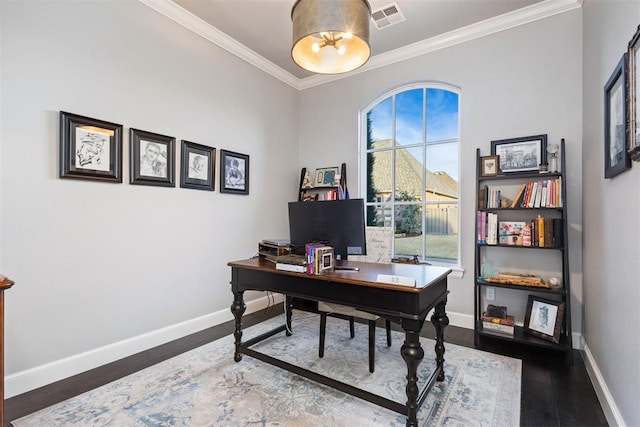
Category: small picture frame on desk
<point>543,318</point>
<point>489,165</point>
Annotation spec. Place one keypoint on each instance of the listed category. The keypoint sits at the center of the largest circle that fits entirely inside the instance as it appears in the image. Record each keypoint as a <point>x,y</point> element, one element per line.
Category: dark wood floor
<point>553,394</point>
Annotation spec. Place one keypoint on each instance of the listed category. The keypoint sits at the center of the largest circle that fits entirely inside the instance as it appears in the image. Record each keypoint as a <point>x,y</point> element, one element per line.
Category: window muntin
<point>411,170</point>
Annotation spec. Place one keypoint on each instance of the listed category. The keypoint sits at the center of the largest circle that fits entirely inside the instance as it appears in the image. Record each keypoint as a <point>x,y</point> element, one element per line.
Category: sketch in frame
<point>616,156</point>
<point>543,318</point>
<point>234,172</point>
<point>524,154</point>
<point>152,158</point>
<point>634,83</point>
<point>489,165</point>
<point>90,148</point>
<point>197,166</point>
<point>327,177</point>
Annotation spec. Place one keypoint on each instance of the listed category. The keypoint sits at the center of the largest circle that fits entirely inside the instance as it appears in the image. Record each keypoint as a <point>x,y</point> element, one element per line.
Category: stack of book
<point>496,320</point>
<point>319,258</point>
<point>292,262</point>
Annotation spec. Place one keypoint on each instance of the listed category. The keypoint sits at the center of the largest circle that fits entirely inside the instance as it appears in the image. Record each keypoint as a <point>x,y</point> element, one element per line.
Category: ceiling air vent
<point>387,16</point>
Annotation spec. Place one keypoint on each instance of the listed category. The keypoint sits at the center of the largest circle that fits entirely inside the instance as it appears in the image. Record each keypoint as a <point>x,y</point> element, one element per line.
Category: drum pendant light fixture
<point>330,36</point>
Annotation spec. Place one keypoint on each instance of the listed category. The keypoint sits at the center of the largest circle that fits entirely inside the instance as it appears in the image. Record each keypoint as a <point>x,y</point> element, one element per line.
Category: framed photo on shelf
<point>543,318</point>
<point>152,158</point>
<point>197,166</point>
<point>90,148</point>
<point>616,156</point>
<point>633,84</point>
<point>524,154</point>
<point>326,177</point>
<point>234,172</point>
<point>489,165</point>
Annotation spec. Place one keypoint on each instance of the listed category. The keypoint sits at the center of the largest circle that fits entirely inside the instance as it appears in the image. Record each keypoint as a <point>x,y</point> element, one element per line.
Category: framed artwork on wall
<point>634,83</point>
<point>90,148</point>
<point>522,155</point>
<point>234,172</point>
<point>152,158</point>
<point>616,156</point>
<point>197,166</point>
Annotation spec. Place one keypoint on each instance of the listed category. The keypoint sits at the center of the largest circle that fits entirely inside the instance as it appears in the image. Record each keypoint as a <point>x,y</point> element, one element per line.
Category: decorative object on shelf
<point>489,165</point>
<point>518,280</point>
<point>152,158</point>
<point>90,148</point>
<point>234,172</point>
<point>616,156</point>
<point>198,166</point>
<point>330,37</point>
<point>326,177</point>
<point>307,181</point>
<point>543,318</point>
<point>552,150</point>
<point>633,84</point>
<point>523,154</point>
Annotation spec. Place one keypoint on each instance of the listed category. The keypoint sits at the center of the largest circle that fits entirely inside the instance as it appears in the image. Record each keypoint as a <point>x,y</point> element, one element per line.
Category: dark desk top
<point>425,275</point>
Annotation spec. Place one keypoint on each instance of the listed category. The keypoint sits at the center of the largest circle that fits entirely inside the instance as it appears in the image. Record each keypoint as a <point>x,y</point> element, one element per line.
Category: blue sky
<point>441,120</point>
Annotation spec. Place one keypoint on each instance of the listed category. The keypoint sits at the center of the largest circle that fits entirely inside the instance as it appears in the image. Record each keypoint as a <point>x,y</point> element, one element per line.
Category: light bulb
<point>341,50</point>
<point>347,35</point>
<point>315,47</point>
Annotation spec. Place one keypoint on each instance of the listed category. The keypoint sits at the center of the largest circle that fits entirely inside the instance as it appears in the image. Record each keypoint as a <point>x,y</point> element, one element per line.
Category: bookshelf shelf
<point>554,256</point>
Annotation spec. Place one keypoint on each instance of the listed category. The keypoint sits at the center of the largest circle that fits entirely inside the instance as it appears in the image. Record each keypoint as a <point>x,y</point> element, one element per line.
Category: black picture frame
<point>197,166</point>
<point>616,155</point>
<point>522,155</point>
<point>90,148</point>
<point>152,158</point>
<point>489,165</point>
<point>543,318</point>
<point>234,172</point>
<point>633,76</point>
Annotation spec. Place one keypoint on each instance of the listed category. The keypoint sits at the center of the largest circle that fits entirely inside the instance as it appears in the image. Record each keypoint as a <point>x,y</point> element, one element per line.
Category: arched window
<point>410,169</point>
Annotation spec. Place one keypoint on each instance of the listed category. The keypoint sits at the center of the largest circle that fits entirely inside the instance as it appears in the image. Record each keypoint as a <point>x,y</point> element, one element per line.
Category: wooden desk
<point>406,306</point>
<point>5,284</point>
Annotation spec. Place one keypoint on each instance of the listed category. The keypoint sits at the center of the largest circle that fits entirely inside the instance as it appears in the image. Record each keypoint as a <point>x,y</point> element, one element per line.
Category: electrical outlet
<point>490,294</point>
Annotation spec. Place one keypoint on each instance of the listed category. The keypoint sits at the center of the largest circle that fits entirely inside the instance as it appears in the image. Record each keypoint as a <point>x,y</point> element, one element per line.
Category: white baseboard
<point>30,379</point>
<point>614,418</point>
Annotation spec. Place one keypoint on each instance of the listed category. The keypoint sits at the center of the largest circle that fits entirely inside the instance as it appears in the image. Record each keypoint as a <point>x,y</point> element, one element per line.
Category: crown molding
<point>191,22</point>
<point>534,12</point>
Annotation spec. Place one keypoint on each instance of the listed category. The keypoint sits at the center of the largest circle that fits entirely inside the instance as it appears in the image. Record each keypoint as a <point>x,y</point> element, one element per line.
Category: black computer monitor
<point>337,223</point>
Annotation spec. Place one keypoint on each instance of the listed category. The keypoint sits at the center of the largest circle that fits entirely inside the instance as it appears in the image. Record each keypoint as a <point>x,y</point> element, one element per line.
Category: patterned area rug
<point>205,387</point>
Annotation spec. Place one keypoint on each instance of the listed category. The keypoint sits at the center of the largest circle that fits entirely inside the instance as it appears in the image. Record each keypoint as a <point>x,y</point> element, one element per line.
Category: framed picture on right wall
<point>616,156</point>
<point>634,83</point>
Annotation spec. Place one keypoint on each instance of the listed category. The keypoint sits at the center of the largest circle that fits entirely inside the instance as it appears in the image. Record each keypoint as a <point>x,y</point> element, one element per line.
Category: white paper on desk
<point>396,280</point>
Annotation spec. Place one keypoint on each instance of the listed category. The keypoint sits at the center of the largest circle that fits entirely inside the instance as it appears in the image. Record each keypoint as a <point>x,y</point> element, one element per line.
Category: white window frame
<point>362,155</point>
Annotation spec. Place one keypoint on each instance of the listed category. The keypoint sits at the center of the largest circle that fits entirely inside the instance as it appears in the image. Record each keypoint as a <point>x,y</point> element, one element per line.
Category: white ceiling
<point>259,31</point>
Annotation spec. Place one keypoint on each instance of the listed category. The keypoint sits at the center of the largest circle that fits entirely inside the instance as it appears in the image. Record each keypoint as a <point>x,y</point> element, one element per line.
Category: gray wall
<point>612,223</point>
<point>103,270</point>
<point>521,82</point>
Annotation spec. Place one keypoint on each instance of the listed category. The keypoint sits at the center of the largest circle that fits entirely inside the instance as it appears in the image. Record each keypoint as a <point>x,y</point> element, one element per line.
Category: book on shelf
<point>545,193</point>
<point>499,326</point>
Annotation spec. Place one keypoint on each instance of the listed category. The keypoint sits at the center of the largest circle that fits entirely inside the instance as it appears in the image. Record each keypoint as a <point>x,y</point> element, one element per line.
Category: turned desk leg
<point>440,321</point>
<point>237,308</point>
<point>288,309</point>
<point>412,353</point>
